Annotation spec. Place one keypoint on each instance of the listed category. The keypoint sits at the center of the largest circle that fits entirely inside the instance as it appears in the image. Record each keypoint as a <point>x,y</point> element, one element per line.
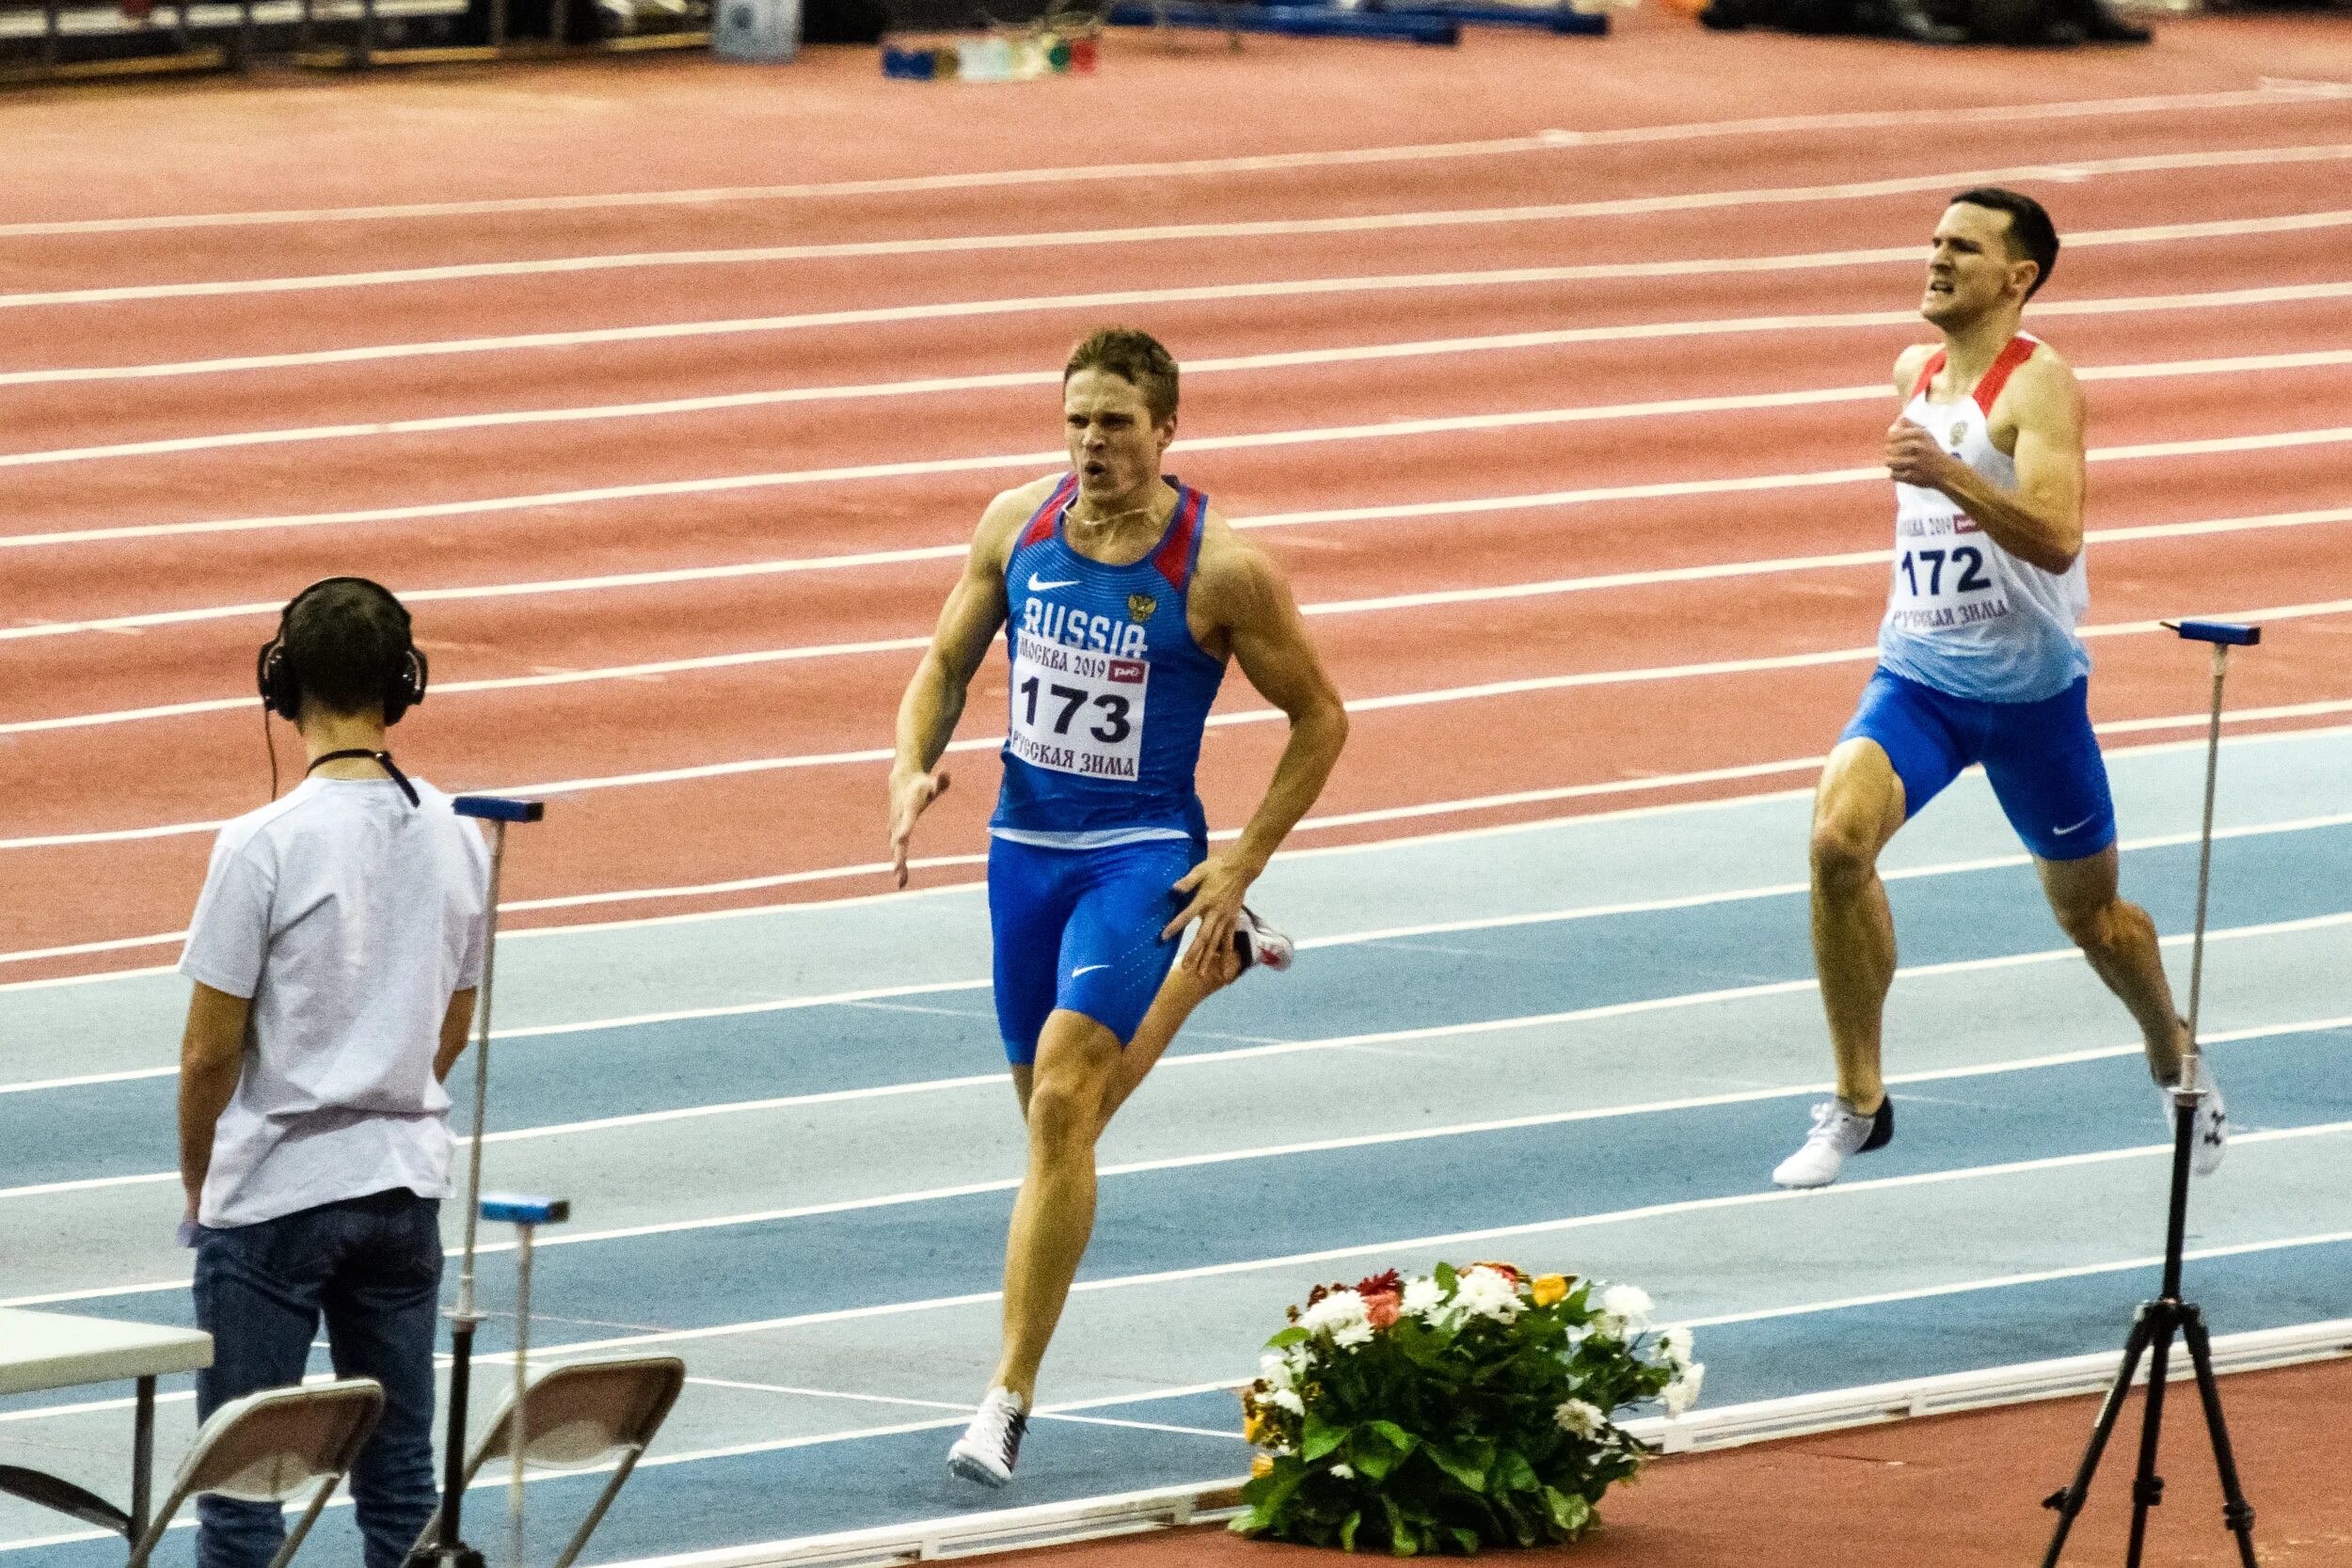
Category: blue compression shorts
<point>1079,930</point>
<point>2041,759</point>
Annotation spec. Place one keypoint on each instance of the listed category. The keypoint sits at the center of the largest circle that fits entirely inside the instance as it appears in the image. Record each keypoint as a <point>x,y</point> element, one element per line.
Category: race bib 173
<point>1077,712</point>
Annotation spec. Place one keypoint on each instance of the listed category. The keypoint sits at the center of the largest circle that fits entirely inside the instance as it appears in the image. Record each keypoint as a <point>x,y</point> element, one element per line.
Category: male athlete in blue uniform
<point>1123,595</point>
<point>1979,661</point>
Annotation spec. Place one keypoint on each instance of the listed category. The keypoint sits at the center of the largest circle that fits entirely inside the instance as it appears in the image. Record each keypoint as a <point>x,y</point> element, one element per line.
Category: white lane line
<point>1389,603</point>
<point>1169,234</point>
<point>1298,288</point>
<point>1524,686</point>
<point>1435,1243</point>
<point>1040,463</point>
<point>790,565</point>
<point>996,381</point>
<point>2007,1281</point>
<point>2272,94</point>
<point>1338,1042</point>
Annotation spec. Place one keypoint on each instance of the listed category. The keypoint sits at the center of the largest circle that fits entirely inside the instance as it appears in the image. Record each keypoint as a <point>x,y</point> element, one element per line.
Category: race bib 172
<point>1942,576</point>
<point>1077,712</point>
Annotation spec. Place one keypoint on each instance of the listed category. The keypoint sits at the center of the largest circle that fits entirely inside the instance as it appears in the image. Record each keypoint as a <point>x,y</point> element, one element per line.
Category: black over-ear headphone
<point>281,684</point>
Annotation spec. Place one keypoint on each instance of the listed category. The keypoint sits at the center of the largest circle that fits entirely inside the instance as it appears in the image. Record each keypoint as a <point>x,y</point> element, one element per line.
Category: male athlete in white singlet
<point>1979,662</point>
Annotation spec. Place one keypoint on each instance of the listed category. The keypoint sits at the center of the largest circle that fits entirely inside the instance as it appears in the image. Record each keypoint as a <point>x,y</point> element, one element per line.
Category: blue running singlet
<point>1110,693</point>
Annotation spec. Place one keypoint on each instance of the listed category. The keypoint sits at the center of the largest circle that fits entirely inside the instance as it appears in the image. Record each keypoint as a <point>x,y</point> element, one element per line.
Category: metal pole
<point>142,1458</point>
<point>481,1072</point>
<point>518,1434</point>
<point>2204,870</point>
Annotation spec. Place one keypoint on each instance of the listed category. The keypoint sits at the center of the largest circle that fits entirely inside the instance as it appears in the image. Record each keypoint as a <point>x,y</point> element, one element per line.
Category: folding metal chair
<point>578,1414</point>
<point>267,1446</point>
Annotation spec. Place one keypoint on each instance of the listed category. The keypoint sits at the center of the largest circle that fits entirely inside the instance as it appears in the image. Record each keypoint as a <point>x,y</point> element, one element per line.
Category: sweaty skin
<point>1239,608</point>
<point>1975,296</point>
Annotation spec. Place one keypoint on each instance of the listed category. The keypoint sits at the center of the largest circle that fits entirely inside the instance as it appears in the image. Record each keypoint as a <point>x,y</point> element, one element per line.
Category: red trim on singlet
<point>1926,372</point>
<point>1042,521</point>
<point>1173,559</point>
<point>2020,350</point>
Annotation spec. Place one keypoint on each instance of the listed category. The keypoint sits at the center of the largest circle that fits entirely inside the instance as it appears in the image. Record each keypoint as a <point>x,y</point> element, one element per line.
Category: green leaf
<point>1289,1336</point>
<point>1465,1538</point>
<point>1513,1473</point>
<point>1395,1436</point>
<point>1347,1530</point>
<point>1320,1438</point>
<point>1445,1276</point>
<point>1465,1460</point>
<point>1404,1540</point>
<point>1569,1515</point>
<point>1373,1461</point>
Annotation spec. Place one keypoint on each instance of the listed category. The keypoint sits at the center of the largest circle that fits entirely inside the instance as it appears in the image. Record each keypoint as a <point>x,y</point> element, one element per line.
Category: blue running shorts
<point>2041,757</point>
<point>1079,929</point>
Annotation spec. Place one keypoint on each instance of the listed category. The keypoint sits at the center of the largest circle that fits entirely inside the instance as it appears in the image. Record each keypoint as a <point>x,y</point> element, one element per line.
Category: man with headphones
<point>335,952</point>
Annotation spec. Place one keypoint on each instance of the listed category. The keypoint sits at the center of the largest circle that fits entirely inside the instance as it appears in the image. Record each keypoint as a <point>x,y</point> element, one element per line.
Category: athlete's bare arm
<point>2038,420</point>
<point>968,623</point>
<point>1242,606</point>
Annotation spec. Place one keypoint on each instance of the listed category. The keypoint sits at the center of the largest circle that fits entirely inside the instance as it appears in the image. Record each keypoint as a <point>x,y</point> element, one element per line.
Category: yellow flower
<point>1549,1288</point>
<point>1262,1464</point>
<point>1253,1427</point>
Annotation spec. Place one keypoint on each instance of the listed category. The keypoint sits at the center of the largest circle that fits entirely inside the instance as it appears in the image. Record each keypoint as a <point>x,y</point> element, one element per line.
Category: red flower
<point>1387,1284</point>
<point>1381,1306</point>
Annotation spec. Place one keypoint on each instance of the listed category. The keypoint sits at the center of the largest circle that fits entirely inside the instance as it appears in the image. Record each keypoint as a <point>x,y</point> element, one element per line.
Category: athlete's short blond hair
<point>1136,358</point>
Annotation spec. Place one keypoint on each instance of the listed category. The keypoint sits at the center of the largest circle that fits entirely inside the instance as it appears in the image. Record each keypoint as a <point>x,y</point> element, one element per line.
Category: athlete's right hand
<point>910,793</point>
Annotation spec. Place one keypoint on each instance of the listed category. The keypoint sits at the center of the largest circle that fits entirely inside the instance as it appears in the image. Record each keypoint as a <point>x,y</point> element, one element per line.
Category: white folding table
<point>56,1350</point>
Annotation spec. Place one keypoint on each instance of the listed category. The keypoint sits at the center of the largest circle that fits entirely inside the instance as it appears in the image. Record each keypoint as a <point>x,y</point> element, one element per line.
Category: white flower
<point>1424,1299</point>
<point>1624,1311</point>
<point>1276,1369</point>
<point>1485,1294</point>
<point>1340,1309</point>
<point>1288,1400</point>
<point>1580,1419</point>
<point>1676,1344</point>
<point>1352,1336</point>
<point>1342,1472</point>
<point>1683,1392</point>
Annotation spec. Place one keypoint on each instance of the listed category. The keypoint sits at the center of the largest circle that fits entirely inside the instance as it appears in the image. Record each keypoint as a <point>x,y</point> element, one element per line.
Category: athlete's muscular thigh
<point>1856,809</point>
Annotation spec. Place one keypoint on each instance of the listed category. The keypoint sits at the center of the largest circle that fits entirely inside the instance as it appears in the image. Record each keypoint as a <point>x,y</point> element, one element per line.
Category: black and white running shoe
<point>1838,1131</point>
<point>990,1446</point>
<point>2211,1139</point>
<point>1256,943</point>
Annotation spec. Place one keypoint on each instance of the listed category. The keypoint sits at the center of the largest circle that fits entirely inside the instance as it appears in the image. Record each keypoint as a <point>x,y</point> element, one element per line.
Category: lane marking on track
<point>1295,288</point>
<point>936,1195</point>
<point>2273,93</point>
<point>1431,348</point>
<point>1664,782</point>
<point>1483,923</point>
<point>1545,588</point>
<point>1038,463</point>
<point>1522,685</point>
<point>1167,233</point>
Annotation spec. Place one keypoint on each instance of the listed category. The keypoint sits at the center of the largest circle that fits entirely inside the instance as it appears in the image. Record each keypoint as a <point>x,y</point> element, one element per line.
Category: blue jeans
<point>371,1266</point>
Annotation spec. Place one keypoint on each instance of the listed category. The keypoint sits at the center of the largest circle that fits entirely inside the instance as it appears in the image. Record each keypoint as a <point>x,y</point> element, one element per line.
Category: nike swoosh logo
<point>2061,832</point>
<point>1088,970</point>
<point>1037,587</point>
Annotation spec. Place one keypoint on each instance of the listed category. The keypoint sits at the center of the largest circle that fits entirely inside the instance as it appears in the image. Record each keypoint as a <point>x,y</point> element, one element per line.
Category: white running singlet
<point>1964,616</point>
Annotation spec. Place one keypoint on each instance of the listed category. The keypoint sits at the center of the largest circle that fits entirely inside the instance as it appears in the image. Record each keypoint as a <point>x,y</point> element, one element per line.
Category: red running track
<point>2227,339</point>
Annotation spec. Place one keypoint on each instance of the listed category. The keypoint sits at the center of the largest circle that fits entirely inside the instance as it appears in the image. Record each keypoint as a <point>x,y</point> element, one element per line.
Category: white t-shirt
<point>349,918</point>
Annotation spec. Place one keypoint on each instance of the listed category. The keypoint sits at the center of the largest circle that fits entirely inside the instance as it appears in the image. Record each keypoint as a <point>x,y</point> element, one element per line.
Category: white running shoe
<point>2211,1139</point>
<point>990,1446</point>
<point>1257,943</point>
<point>1838,1131</point>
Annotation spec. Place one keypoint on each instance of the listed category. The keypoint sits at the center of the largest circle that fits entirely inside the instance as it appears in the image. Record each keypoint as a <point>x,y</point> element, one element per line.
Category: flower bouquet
<point>1464,1409</point>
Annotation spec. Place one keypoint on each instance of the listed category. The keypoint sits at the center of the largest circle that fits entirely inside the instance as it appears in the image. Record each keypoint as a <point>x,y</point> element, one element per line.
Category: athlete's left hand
<point>1217,886</point>
<point>1912,456</point>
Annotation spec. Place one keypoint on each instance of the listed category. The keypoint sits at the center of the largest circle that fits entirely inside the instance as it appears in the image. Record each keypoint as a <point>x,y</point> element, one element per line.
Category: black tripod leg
<point>2236,1509</point>
<point>2147,1487</point>
<point>2069,1501</point>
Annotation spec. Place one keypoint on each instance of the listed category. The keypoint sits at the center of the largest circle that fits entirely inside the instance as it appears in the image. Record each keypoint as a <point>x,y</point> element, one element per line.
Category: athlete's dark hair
<point>1134,358</point>
<point>346,643</point>
<point>2031,235</point>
